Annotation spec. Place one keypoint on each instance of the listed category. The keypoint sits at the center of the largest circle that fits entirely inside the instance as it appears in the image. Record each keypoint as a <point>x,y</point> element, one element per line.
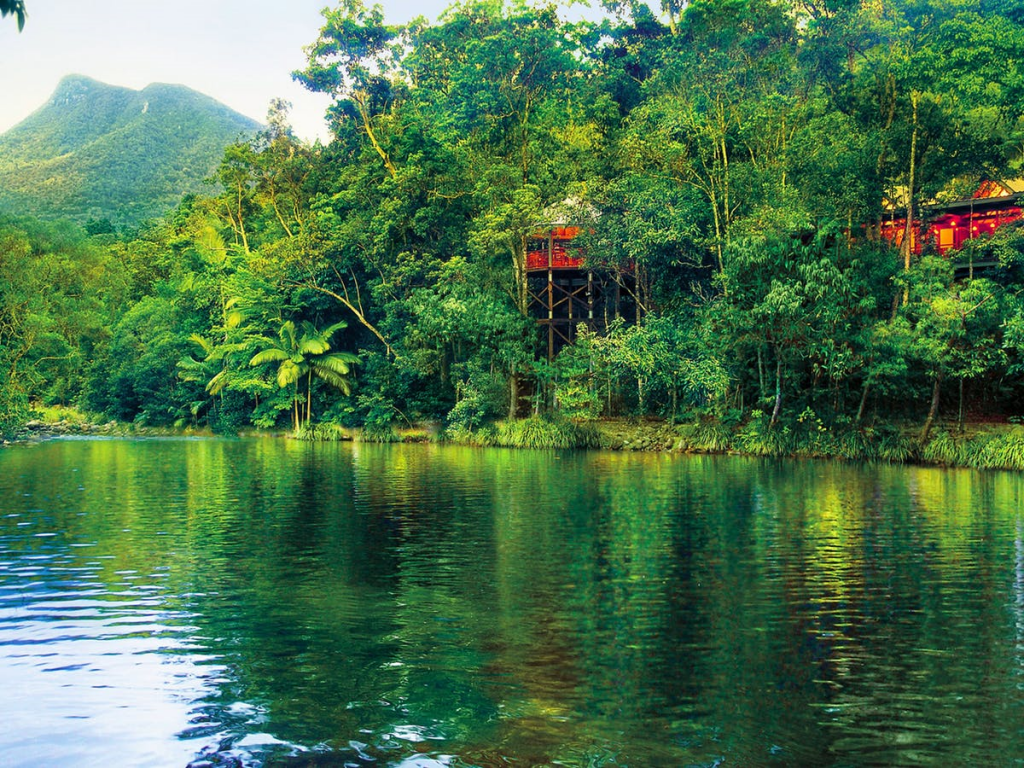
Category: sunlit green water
<point>248,602</point>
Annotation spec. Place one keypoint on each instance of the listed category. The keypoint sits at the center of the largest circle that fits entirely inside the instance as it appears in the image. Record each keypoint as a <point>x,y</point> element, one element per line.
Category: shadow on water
<point>270,602</point>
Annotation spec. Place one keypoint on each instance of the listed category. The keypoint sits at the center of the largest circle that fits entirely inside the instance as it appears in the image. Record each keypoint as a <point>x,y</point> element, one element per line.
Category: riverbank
<point>56,422</point>
<point>37,430</point>
<point>978,446</point>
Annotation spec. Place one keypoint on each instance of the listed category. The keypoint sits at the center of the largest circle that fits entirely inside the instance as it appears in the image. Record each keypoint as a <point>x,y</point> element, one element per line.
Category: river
<point>269,602</point>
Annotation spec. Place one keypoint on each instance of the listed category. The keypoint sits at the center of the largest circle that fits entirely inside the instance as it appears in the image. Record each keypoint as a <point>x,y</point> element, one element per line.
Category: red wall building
<point>550,250</point>
<point>947,227</point>
<point>565,294</point>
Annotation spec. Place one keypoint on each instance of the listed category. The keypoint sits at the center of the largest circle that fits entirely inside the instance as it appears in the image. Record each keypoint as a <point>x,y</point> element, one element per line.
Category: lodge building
<point>565,293</point>
<point>947,227</point>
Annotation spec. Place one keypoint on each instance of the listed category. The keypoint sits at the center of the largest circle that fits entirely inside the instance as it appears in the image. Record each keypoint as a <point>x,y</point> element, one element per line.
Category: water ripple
<point>251,602</point>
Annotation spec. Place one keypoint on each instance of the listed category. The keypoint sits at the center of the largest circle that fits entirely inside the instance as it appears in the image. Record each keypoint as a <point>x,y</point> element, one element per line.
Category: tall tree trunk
<point>277,211</point>
<point>960,419</point>
<point>241,222</point>
<point>513,395</point>
<point>778,388</point>
<point>718,234</point>
<point>364,114</point>
<point>908,231</point>
<point>933,411</point>
<point>760,372</point>
<point>309,396</point>
<point>863,400</point>
<point>522,288</point>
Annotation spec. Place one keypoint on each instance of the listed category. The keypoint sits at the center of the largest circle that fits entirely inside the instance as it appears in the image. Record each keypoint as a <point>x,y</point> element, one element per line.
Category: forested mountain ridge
<point>100,151</point>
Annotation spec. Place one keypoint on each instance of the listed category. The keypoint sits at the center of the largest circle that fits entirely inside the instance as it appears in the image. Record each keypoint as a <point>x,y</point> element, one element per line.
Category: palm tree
<point>15,7</point>
<point>307,355</point>
<point>218,369</point>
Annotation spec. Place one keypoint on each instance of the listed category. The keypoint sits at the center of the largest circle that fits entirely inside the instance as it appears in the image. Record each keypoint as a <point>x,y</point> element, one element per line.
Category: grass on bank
<point>328,432</point>
<point>56,414</point>
<point>56,420</point>
<point>533,432</point>
<point>980,446</point>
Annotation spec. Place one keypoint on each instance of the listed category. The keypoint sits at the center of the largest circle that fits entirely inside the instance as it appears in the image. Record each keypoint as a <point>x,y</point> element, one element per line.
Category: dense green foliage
<point>58,294</point>
<point>102,152</point>
<point>727,163</point>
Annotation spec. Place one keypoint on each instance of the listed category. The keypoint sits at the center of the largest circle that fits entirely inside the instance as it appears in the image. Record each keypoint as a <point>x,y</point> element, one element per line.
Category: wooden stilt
<point>570,294</point>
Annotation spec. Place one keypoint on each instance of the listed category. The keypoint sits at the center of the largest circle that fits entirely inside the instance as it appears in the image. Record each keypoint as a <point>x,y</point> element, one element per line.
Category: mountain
<point>101,151</point>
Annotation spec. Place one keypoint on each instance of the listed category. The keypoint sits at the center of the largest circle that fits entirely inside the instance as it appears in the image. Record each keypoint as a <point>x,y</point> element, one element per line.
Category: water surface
<point>268,602</point>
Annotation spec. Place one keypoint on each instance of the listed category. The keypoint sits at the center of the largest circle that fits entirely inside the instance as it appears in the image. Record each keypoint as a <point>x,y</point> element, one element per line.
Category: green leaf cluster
<point>729,166</point>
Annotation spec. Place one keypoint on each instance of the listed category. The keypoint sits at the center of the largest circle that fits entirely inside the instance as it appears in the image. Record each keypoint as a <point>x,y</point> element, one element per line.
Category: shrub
<point>945,448</point>
<point>759,438</point>
<point>1005,451</point>
<point>324,432</point>
<point>894,447</point>
<point>13,411</point>
<point>710,437</point>
<point>534,432</point>
<point>379,433</point>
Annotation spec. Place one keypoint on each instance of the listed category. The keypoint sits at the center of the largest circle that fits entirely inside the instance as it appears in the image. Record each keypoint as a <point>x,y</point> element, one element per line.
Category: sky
<point>240,52</point>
